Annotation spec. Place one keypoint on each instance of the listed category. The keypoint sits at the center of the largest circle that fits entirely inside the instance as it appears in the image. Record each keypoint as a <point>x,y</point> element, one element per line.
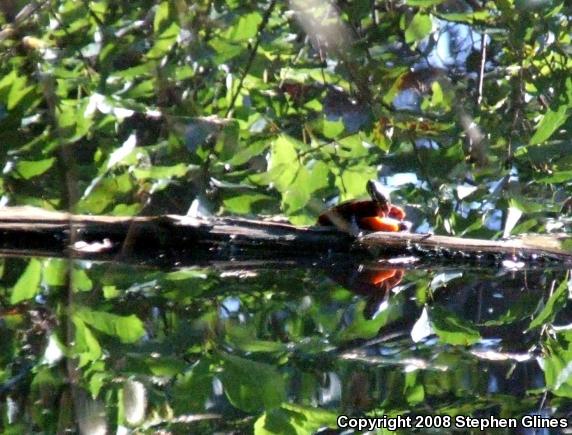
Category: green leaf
<point>423,3</point>
<point>85,344</point>
<point>549,123</point>
<point>469,17</point>
<point>193,388</point>
<point>352,181</point>
<point>97,381</point>
<point>128,329</point>
<point>165,366</point>
<point>294,419</point>
<point>125,155</point>
<point>283,162</point>
<point>554,304</point>
<point>161,172</point>
<point>143,89</point>
<point>245,28</point>
<point>414,389</point>
<point>17,93</point>
<point>110,292</point>
<point>556,364</point>
<point>419,27</point>
<point>363,329</point>
<point>28,285</point>
<point>252,386</point>
<point>81,281</point>
<point>248,151</point>
<point>332,129</point>
<point>104,192</point>
<point>353,146</point>
<point>452,329</point>
<point>306,181</point>
<point>224,50</point>
<point>166,31</point>
<point>27,169</point>
<point>6,84</point>
<point>246,341</point>
<point>14,89</point>
<point>55,272</point>
<point>227,140</point>
<point>544,153</point>
<point>557,177</point>
<point>164,42</point>
<point>161,19</point>
<point>45,381</point>
<point>245,203</point>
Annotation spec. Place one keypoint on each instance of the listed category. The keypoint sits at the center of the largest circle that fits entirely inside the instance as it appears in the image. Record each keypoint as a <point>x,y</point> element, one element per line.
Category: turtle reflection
<point>373,281</point>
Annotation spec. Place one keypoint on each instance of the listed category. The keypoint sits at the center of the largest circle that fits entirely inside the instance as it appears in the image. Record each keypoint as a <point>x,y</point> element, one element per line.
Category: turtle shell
<point>366,214</point>
<point>349,210</point>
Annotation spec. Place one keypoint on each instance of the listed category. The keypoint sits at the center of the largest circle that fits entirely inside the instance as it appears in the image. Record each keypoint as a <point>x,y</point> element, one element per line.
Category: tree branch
<point>32,231</point>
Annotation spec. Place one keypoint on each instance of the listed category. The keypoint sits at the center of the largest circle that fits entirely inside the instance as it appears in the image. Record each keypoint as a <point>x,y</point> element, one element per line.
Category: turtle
<point>373,214</point>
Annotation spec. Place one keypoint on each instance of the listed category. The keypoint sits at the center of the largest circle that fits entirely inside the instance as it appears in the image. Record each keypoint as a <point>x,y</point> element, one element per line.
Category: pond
<point>282,347</point>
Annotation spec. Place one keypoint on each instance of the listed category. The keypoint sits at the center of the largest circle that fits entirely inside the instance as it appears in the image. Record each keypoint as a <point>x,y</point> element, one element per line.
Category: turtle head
<point>378,194</point>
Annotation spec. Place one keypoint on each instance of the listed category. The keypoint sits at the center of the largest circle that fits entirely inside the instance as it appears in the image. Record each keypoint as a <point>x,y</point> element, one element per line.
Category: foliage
<point>262,108</point>
<point>190,350</point>
<point>271,107</point>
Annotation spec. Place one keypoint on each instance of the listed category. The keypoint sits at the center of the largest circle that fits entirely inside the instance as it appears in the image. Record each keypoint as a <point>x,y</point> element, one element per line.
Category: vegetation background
<point>279,107</point>
<point>263,108</point>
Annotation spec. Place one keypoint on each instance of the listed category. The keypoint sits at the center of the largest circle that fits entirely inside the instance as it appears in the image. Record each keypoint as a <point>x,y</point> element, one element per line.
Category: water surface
<point>276,348</point>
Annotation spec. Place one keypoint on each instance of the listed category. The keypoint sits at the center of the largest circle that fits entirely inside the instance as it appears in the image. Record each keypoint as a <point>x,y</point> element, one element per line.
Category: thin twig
<point>21,18</point>
<point>482,68</point>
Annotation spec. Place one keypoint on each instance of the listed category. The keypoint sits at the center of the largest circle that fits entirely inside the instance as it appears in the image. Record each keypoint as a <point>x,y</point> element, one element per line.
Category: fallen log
<point>33,231</point>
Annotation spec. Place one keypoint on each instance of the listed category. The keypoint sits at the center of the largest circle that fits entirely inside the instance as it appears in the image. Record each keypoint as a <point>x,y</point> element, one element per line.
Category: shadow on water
<point>277,349</point>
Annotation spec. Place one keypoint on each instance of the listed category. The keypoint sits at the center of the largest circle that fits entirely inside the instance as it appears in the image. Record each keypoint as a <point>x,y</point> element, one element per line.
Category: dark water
<point>279,348</point>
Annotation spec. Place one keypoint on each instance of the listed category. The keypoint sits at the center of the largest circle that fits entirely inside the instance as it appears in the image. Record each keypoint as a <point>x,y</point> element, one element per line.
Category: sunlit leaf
<point>424,3</point>
<point>55,272</point>
<point>165,366</point>
<point>27,169</point>
<point>80,281</point>
<point>283,162</point>
<point>294,419</point>
<point>161,172</point>
<point>85,344</point>
<point>414,390</point>
<point>128,329</point>
<point>161,19</point>
<point>103,192</point>
<point>164,42</point>
<point>554,304</point>
<point>419,27</point>
<point>558,177</point>
<point>352,181</point>
<point>332,129</point>
<point>28,285</point>
<point>166,31</point>
<point>252,386</point>
<point>245,28</point>
<point>363,328</point>
<point>469,17</point>
<point>452,329</point>
<point>549,123</point>
<point>244,203</point>
<point>557,365</point>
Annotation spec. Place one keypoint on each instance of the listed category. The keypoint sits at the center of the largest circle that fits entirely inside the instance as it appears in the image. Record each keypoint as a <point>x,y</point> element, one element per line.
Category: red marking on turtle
<point>375,214</point>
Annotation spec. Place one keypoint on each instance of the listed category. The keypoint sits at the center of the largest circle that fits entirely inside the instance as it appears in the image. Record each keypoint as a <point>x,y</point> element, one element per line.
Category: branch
<point>32,231</point>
